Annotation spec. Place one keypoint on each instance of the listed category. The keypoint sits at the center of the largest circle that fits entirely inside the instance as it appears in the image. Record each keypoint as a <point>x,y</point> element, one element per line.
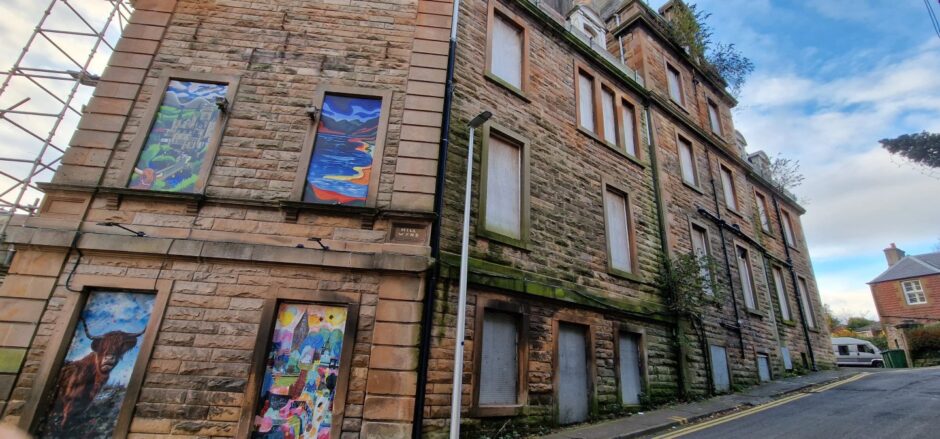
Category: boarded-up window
<point>788,229</point>
<point>807,305</point>
<point>727,185</point>
<point>787,361</point>
<point>504,188</point>
<point>700,248</point>
<point>713,117</point>
<point>720,376</point>
<point>631,383</point>
<point>763,368</point>
<point>507,51</point>
<point>573,376</point>
<point>499,377</point>
<point>586,101</point>
<point>687,162</point>
<point>675,84</point>
<point>762,212</point>
<point>618,231</point>
<point>781,294</point>
<point>628,126</point>
<point>609,112</point>
<point>747,277</point>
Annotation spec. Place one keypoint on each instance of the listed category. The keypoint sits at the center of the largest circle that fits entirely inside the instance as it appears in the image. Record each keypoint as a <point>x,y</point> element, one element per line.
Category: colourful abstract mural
<point>93,381</point>
<point>177,146</point>
<point>341,163</point>
<point>302,371</point>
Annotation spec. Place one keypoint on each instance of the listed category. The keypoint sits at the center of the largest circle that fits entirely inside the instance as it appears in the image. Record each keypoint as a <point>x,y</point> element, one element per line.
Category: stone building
<point>614,148</point>
<point>200,139</point>
<point>244,233</point>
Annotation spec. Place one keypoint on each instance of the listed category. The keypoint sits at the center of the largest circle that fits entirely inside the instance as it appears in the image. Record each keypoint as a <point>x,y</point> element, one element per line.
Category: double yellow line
<point>757,409</point>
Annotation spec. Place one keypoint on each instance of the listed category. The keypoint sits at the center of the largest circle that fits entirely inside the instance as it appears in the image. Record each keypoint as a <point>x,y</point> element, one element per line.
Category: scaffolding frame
<point>63,67</point>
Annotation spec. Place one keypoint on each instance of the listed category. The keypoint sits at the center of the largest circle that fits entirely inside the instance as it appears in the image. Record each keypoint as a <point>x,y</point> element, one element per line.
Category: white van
<point>854,352</point>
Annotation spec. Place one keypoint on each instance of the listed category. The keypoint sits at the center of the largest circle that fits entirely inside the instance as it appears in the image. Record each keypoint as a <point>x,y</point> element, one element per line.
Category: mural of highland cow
<point>93,381</point>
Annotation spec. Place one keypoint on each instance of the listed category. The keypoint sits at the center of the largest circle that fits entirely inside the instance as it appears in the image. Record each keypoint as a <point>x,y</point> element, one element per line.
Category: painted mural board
<point>177,146</point>
<point>301,372</point>
<point>341,165</point>
<point>93,380</point>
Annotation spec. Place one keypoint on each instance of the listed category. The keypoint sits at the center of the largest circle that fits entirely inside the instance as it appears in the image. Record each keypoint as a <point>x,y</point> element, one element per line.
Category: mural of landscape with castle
<point>302,372</point>
<point>177,146</point>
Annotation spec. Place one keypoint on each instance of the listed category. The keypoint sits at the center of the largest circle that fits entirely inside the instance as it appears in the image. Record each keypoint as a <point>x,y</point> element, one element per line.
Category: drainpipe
<point>796,286</point>
<point>620,40</point>
<point>724,252</point>
<point>664,242</point>
<point>427,320</point>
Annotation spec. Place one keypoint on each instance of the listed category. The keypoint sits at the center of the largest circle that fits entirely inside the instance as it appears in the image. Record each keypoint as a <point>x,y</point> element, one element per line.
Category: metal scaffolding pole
<point>41,95</point>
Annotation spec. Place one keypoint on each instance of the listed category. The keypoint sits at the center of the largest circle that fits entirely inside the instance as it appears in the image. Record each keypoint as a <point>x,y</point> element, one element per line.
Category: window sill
<point>788,322</point>
<point>496,410</point>
<point>153,194</point>
<point>793,248</point>
<point>512,88</point>
<point>693,187</point>
<point>625,274</point>
<point>612,147</point>
<point>736,212</point>
<point>755,312</point>
<point>521,244</point>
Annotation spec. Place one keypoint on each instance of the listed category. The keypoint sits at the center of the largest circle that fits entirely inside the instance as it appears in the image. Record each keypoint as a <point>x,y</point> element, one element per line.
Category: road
<point>895,404</point>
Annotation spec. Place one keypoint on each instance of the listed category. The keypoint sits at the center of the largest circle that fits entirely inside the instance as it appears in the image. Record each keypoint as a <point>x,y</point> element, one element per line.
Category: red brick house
<point>907,293</point>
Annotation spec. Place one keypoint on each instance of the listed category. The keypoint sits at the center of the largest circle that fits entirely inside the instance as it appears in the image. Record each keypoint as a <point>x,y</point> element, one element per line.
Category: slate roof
<point>911,266</point>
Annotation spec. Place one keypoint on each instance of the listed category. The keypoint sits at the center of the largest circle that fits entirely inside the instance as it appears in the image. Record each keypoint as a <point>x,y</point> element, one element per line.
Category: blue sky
<point>832,77</point>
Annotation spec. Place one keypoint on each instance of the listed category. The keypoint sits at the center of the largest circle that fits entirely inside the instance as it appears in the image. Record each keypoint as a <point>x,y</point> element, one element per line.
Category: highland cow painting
<point>302,372</point>
<point>342,160</point>
<point>177,146</point>
<point>93,381</point>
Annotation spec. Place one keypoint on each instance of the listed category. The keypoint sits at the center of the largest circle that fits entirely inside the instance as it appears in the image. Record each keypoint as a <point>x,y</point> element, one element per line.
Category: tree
<point>856,323</point>
<point>687,25</point>
<point>921,148</point>
<point>785,173</point>
<point>830,317</point>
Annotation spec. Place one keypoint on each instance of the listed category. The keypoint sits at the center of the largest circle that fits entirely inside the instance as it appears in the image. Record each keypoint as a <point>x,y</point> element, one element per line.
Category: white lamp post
<point>457,390</point>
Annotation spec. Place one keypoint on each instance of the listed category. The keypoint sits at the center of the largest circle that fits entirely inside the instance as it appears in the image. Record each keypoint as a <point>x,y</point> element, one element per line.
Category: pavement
<point>648,423</point>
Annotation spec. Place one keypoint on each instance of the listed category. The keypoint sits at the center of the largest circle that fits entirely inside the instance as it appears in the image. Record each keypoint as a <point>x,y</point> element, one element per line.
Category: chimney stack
<point>893,255</point>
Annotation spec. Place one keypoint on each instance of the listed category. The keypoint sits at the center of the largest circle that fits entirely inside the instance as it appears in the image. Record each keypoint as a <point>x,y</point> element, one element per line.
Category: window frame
<point>920,290</point>
<point>306,153</point>
<point>643,357</point>
<point>752,284</point>
<point>680,140</point>
<point>492,10</point>
<point>761,202</point>
<point>621,129</point>
<point>579,71</point>
<point>736,209</point>
<point>631,233</point>
<point>790,239</point>
<point>150,117</point>
<point>620,99</point>
<point>806,303</point>
<point>46,378</point>
<point>693,225</point>
<point>781,293</point>
<point>509,136</point>
<point>671,68</point>
<point>509,306</point>
<point>263,344</point>
<point>715,124</point>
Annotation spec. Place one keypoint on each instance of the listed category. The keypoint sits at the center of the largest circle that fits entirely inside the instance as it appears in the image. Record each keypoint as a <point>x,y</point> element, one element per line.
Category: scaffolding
<point>43,94</point>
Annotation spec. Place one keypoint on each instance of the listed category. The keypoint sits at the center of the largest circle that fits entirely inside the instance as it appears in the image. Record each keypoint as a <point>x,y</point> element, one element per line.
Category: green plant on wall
<point>687,281</point>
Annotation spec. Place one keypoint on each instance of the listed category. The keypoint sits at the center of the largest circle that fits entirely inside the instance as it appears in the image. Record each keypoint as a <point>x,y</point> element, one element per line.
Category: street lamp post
<point>457,389</point>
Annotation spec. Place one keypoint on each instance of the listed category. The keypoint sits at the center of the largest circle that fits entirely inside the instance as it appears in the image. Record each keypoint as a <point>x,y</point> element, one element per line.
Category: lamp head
<point>480,119</point>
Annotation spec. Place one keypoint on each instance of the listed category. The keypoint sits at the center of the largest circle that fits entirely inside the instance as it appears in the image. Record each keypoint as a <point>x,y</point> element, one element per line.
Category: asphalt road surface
<point>895,404</point>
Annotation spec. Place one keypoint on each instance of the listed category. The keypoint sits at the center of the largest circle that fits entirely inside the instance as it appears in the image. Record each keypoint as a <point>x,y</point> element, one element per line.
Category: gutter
<point>796,287</point>
<point>427,320</point>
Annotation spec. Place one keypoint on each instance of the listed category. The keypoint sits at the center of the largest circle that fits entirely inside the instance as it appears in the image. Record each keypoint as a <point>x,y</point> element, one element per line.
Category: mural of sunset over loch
<point>341,164</point>
<point>302,372</point>
<point>93,380</point>
<point>176,147</point>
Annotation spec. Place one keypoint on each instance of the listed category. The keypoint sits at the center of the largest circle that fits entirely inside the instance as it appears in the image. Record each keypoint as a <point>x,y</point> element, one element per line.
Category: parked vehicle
<point>855,352</point>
